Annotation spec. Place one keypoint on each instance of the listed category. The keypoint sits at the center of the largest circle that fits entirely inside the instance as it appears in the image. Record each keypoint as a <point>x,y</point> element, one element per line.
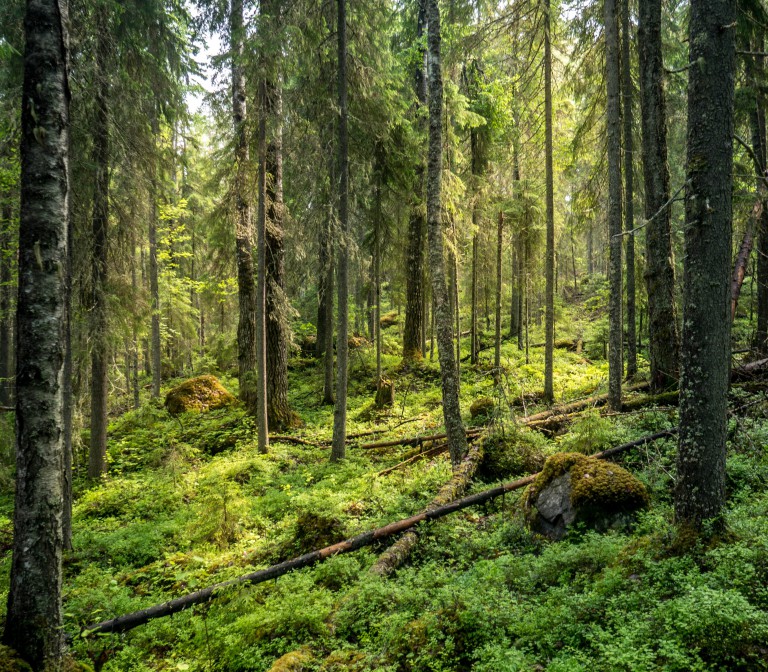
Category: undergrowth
<point>189,501</point>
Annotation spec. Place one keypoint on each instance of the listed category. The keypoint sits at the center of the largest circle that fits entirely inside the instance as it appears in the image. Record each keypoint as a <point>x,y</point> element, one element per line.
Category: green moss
<point>514,453</point>
<point>594,483</point>
<point>482,408</point>
<point>10,661</point>
<point>204,393</point>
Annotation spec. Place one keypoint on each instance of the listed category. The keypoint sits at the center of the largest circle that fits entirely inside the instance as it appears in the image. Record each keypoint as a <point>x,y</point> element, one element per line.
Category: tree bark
<point>499,249</point>
<point>338,449</point>
<point>663,339</point>
<point>279,413</point>
<point>414,271</point>
<point>34,619</point>
<point>613,132</point>
<point>262,420</point>
<point>154,288</point>
<point>457,441</point>
<point>97,454</point>
<point>629,212</point>
<point>549,271</point>
<point>706,352</point>
<point>244,233</point>
<point>6,318</point>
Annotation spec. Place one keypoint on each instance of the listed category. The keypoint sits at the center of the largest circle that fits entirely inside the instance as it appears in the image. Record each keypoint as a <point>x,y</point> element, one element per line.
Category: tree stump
<point>385,394</point>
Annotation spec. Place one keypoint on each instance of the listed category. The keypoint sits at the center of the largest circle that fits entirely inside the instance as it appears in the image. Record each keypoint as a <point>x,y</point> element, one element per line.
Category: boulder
<point>204,393</point>
<point>573,488</point>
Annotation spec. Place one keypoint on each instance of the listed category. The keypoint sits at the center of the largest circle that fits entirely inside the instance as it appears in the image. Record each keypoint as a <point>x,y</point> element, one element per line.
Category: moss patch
<point>482,408</point>
<point>10,661</point>
<point>510,455</point>
<point>204,393</point>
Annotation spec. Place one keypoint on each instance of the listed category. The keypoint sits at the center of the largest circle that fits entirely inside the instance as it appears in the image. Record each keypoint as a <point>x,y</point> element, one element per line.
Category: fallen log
<point>295,439</point>
<point>414,440</point>
<point>397,554</point>
<point>579,404</point>
<point>137,618</point>
<point>749,370</point>
<point>435,450</point>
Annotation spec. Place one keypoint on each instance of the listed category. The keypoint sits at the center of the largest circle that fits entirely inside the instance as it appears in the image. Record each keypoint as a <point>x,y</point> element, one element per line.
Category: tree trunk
<point>261,270</point>
<point>33,624</point>
<point>338,449</point>
<point>414,272</point>
<point>497,349</point>
<point>154,288</point>
<point>629,213</point>
<point>457,441</point>
<point>6,318</point>
<point>613,132</point>
<point>279,412</point>
<point>706,352</point>
<point>97,454</point>
<point>549,271</point>
<point>378,174</point>
<point>663,339</point>
<point>244,234</point>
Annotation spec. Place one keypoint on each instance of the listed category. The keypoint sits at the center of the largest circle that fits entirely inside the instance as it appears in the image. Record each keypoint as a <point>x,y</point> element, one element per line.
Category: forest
<point>427,335</point>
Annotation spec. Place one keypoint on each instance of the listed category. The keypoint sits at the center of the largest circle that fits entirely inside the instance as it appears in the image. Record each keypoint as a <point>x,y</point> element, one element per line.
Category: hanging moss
<point>204,393</point>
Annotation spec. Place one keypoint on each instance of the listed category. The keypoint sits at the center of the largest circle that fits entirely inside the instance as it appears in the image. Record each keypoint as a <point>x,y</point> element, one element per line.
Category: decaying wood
<point>396,554</point>
<point>432,452</point>
<point>414,440</point>
<point>294,439</point>
<point>578,405</point>
<point>137,618</point>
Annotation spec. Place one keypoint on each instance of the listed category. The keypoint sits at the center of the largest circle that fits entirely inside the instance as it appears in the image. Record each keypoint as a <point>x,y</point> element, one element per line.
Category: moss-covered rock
<point>573,488</point>
<point>482,408</point>
<point>204,393</point>
<point>515,453</point>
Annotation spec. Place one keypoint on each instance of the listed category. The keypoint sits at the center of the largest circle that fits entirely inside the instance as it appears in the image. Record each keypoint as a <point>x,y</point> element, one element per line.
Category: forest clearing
<point>407,336</point>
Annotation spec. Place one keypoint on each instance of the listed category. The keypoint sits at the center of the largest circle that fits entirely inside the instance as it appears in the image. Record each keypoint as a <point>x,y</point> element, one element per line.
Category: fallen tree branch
<point>414,440</point>
<point>137,618</point>
<point>295,439</point>
<point>435,450</point>
<point>397,554</point>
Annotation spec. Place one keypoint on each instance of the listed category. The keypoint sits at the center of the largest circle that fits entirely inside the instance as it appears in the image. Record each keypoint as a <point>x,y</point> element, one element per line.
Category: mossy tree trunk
<point>549,264</point>
<point>98,335</point>
<point>414,271</point>
<point>244,234</point>
<point>457,441</point>
<point>279,413</point>
<point>33,624</point>
<point>613,132</point>
<point>629,213</point>
<point>705,353</point>
<point>663,339</point>
<point>338,448</point>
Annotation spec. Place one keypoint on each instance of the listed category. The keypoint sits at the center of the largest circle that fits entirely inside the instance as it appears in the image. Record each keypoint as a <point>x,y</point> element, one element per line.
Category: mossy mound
<point>316,530</point>
<point>482,409</point>
<point>389,320</point>
<point>356,341</point>
<point>10,661</point>
<point>295,661</point>
<point>510,455</point>
<point>575,488</point>
<point>204,393</point>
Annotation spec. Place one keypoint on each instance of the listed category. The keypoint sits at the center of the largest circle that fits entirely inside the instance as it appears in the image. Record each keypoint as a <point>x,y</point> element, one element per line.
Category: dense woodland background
<point>379,222</point>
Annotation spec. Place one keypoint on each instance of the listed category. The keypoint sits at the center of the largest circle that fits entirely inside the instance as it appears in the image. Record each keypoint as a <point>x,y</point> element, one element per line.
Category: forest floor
<point>189,501</point>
